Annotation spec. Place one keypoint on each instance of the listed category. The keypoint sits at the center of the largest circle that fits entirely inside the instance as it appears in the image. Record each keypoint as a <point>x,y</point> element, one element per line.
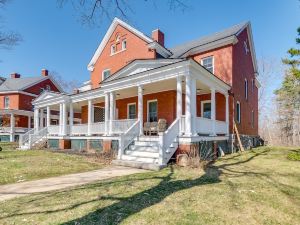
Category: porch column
<point>213,111</point>
<point>48,123</point>
<point>227,113</point>
<point>41,118</point>
<point>12,127</point>
<point>90,108</point>
<point>112,103</point>
<point>64,119</point>
<point>140,108</point>
<point>29,122</point>
<point>71,118</point>
<point>106,117</point>
<point>36,120</point>
<point>179,97</point>
<point>190,105</point>
<point>60,118</point>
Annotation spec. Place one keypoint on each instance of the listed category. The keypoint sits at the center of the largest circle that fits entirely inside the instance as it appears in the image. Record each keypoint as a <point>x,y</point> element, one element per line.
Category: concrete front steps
<point>143,154</point>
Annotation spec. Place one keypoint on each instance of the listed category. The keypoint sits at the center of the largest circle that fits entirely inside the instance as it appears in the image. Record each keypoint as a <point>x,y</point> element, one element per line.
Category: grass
<point>256,187</point>
<point>19,166</point>
<point>295,155</point>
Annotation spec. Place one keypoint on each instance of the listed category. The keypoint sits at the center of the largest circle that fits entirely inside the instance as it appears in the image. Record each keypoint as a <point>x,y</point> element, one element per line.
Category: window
<point>131,111</point>
<point>117,38</point>
<point>238,112</point>
<point>6,102</point>
<point>246,49</point>
<point>124,44</point>
<point>48,88</point>
<point>112,49</point>
<point>206,109</point>
<point>105,74</point>
<point>42,90</point>
<point>246,89</point>
<point>208,63</point>
<point>252,118</point>
<point>152,111</point>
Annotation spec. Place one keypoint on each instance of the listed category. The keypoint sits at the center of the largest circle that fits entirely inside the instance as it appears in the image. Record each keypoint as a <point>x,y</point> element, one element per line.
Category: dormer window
<point>112,49</point>
<point>124,44</point>
<point>208,63</point>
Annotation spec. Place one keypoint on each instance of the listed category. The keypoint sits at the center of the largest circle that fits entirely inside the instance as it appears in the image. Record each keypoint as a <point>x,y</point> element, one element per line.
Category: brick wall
<point>136,49</point>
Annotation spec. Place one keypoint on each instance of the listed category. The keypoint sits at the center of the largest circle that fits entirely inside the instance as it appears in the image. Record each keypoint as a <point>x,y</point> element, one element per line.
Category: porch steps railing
<point>34,139</point>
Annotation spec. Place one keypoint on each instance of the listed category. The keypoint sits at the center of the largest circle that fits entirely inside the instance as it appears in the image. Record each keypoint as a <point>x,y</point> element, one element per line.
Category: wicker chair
<point>162,125</point>
<point>153,128</point>
<point>146,128</point>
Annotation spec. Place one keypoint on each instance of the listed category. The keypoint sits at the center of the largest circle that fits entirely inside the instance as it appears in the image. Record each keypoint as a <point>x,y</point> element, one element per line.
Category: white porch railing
<point>166,140</point>
<point>221,127</point>
<point>126,138</point>
<point>15,129</point>
<point>53,130</point>
<point>121,126</point>
<point>79,129</point>
<point>203,125</point>
<point>24,138</point>
<point>98,128</point>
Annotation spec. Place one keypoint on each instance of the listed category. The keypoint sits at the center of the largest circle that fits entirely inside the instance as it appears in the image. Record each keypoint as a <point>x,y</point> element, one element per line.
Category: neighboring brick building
<point>200,88</point>
<point>16,96</point>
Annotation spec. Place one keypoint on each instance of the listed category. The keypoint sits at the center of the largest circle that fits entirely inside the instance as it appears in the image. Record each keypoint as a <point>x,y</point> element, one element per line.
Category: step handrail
<point>25,137</point>
<point>166,139</point>
<point>33,138</point>
<point>127,138</point>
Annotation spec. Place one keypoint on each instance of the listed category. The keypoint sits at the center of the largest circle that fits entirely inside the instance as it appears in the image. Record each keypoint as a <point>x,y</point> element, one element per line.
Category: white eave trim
<point>159,49</point>
<point>18,92</point>
<point>108,34</point>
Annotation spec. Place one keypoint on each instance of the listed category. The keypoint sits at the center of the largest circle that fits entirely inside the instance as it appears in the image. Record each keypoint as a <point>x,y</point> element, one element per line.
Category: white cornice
<point>18,92</point>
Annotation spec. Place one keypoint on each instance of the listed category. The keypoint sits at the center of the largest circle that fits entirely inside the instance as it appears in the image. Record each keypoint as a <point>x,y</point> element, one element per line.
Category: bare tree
<point>93,12</point>
<point>7,38</point>
<point>68,86</point>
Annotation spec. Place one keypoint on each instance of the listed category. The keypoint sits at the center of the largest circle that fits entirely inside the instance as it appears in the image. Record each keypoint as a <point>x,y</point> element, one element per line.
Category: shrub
<point>295,156</point>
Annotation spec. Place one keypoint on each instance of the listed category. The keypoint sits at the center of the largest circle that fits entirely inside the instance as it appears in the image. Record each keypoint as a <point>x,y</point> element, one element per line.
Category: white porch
<point>187,78</point>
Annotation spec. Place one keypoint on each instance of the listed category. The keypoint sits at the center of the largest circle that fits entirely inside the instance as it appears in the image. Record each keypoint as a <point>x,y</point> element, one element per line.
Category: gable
<point>136,48</point>
<point>47,95</point>
<point>42,85</point>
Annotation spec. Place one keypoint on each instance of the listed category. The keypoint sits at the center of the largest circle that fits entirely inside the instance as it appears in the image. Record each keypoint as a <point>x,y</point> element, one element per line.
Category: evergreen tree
<point>288,98</point>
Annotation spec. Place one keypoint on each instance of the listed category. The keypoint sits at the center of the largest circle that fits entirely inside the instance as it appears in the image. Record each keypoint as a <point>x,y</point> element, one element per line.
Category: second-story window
<point>105,74</point>
<point>124,44</point>
<point>112,49</point>
<point>6,102</point>
<point>246,89</point>
<point>208,63</point>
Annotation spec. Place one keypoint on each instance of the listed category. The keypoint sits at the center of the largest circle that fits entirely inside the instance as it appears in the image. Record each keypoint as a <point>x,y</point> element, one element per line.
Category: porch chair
<point>153,128</point>
<point>146,128</point>
<point>162,125</point>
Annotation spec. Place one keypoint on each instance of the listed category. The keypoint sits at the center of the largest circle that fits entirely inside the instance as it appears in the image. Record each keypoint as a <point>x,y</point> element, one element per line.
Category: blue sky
<point>56,40</point>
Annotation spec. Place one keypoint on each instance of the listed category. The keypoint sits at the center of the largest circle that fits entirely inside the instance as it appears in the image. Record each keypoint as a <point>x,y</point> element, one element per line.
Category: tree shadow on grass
<point>124,207</point>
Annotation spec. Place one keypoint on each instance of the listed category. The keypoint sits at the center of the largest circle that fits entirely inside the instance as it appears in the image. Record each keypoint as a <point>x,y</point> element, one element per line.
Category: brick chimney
<point>159,37</point>
<point>15,75</point>
<point>45,72</point>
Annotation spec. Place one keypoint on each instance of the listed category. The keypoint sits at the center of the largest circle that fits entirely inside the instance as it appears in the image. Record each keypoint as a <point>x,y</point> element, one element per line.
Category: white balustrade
<point>128,136</point>
<point>221,127</point>
<point>25,137</point>
<point>53,130</point>
<point>121,126</point>
<point>79,129</point>
<point>97,128</point>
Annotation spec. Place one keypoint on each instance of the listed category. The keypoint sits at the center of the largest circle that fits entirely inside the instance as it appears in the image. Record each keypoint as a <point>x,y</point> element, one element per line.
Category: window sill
<point>112,54</point>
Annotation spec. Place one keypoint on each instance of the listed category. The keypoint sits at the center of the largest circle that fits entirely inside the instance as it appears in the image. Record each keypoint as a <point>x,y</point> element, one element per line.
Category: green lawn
<point>19,166</point>
<point>261,186</point>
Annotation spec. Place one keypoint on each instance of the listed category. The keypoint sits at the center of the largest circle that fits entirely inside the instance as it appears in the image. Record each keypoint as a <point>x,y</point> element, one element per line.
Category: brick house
<point>16,96</point>
<point>198,89</point>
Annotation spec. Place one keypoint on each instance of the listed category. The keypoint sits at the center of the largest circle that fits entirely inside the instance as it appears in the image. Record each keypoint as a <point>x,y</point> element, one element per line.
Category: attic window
<point>208,63</point>
<point>117,38</point>
<point>112,49</point>
<point>124,44</point>
<point>48,88</point>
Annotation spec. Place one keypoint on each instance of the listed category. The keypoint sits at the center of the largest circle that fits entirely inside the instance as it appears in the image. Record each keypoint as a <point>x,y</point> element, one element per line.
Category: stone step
<point>135,164</point>
<point>146,143</point>
<point>142,153</point>
<point>140,159</point>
